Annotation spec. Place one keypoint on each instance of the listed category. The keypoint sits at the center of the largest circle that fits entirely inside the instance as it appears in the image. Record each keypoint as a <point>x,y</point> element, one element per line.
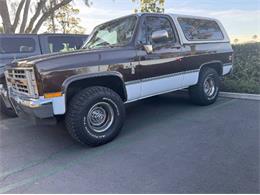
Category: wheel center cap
<point>98,116</point>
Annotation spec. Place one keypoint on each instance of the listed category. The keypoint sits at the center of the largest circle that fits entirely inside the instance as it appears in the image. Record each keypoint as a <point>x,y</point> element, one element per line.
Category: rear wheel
<point>95,116</point>
<point>207,90</point>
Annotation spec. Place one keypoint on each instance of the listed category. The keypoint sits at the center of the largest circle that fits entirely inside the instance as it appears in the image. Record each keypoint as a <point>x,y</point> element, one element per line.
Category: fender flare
<point>212,62</point>
<point>79,77</point>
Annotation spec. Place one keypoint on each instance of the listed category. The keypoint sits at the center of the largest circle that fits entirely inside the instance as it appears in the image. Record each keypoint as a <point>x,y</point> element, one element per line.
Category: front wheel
<point>207,90</point>
<point>95,116</point>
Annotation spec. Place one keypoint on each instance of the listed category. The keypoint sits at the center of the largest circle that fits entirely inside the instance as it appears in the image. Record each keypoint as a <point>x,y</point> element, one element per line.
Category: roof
<point>176,15</point>
<point>190,16</point>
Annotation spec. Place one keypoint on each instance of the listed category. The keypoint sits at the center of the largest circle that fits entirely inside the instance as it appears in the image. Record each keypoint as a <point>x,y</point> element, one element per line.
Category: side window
<point>9,45</point>
<point>64,43</point>
<point>152,24</point>
<point>200,29</point>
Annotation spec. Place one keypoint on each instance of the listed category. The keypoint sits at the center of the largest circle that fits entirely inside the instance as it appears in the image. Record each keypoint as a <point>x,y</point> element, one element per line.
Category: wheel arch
<point>217,65</point>
<point>112,80</point>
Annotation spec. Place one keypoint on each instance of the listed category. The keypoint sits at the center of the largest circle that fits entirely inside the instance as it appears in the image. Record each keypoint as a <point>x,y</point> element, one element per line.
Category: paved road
<point>166,146</point>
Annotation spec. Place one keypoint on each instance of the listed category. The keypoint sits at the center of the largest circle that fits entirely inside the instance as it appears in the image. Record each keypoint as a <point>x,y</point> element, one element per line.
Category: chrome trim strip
<point>158,61</point>
<point>133,82</point>
<point>161,77</point>
<point>170,75</point>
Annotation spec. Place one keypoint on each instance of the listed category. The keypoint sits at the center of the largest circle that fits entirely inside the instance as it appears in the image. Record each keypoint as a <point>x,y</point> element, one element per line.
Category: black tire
<point>199,93</point>
<point>6,111</point>
<point>81,117</point>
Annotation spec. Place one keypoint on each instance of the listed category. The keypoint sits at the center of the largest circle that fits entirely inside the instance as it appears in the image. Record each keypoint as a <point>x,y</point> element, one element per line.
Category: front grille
<point>20,74</point>
<point>22,81</point>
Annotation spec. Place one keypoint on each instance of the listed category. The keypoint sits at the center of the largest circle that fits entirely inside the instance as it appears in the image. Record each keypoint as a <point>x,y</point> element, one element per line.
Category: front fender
<point>84,76</point>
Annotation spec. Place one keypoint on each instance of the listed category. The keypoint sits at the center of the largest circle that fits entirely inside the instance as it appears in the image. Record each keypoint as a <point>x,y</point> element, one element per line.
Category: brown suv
<point>124,60</point>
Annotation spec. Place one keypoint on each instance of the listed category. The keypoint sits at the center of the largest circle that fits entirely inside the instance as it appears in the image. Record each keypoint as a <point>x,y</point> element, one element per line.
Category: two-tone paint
<point>130,70</point>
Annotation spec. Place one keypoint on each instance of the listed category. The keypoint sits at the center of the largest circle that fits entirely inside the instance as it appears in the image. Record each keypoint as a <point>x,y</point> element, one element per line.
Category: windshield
<point>115,33</point>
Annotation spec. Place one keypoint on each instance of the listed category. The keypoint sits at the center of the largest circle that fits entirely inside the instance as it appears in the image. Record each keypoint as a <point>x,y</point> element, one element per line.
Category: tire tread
<point>76,103</point>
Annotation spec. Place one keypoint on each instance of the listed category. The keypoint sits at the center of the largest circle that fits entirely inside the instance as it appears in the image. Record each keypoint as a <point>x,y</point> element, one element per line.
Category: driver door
<point>160,68</point>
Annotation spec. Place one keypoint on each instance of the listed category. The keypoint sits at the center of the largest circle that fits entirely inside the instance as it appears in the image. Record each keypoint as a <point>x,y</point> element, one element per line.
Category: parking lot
<point>167,145</point>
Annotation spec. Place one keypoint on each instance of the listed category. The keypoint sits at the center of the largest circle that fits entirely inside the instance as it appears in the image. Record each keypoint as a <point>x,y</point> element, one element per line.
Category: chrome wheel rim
<point>100,117</point>
<point>209,86</point>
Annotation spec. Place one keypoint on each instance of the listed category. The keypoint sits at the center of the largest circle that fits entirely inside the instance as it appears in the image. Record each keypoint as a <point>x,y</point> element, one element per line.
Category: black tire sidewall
<point>75,118</point>
<point>112,129</point>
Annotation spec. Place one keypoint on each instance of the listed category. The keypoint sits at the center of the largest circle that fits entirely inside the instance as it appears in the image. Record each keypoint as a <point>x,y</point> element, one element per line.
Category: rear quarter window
<point>10,45</point>
<point>200,29</point>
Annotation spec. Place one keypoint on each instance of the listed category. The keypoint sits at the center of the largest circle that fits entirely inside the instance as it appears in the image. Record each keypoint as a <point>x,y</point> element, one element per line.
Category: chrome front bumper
<point>40,108</point>
<point>28,107</point>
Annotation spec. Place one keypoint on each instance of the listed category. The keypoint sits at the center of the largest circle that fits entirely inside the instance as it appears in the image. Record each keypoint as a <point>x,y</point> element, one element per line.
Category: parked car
<point>18,46</point>
<point>124,60</point>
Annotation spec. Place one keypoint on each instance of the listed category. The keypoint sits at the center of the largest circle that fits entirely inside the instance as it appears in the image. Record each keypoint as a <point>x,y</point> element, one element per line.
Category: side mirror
<point>159,35</point>
<point>148,48</point>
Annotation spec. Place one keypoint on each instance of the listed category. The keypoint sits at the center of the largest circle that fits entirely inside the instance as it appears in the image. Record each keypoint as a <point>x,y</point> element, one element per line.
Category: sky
<point>241,18</point>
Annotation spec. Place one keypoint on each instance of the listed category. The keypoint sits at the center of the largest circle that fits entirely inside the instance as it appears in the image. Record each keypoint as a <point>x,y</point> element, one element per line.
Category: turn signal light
<point>52,95</point>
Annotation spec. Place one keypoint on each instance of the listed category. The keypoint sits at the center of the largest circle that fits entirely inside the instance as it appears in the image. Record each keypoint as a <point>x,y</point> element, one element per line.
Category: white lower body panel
<point>159,85</point>
<point>155,86</point>
<point>133,91</point>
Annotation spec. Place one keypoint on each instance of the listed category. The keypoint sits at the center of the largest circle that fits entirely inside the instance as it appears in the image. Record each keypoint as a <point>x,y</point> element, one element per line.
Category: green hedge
<point>246,74</point>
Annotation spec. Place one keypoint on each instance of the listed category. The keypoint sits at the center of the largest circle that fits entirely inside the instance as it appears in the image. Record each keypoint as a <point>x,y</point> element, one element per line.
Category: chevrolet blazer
<point>123,60</point>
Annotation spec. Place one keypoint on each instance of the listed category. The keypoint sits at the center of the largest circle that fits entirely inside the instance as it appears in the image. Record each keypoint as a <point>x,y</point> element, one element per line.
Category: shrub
<point>246,74</point>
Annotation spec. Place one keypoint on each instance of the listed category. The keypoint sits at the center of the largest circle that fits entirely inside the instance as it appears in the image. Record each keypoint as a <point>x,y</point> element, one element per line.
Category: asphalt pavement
<point>167,145</point>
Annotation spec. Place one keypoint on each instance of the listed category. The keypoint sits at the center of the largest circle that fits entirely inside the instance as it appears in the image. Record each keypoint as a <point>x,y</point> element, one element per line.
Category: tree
<point>150,6</point>
<point>255,37</point>
<point>65,21</point>
<point>40,10</point>
<point>236,41</point>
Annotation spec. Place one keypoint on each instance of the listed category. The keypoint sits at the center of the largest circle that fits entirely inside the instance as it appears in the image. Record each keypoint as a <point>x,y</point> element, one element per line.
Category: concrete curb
<point>246,96</point>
